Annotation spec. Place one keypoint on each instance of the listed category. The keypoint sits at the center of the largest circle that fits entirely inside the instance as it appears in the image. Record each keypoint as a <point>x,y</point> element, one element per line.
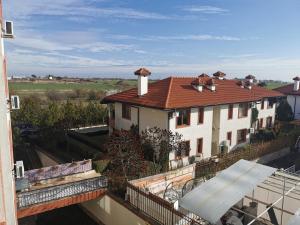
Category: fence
<point>251,152</point>
<point>25,199</point>
<point>157,208</point>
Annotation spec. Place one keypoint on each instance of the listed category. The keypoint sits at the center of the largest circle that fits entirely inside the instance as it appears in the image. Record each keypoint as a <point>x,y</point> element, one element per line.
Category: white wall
<point>110,212</point>
<point>291,100</point>
<point>265,113</point>
<point>194,131</point>
<point>125,124</point>
<point>232,125</point>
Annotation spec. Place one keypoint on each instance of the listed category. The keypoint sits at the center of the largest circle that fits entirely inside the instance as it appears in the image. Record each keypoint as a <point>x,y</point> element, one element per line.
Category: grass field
<point>99,85</point>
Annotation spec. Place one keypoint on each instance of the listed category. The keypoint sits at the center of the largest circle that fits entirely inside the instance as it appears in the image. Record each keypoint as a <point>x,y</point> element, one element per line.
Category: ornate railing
<point>28,198</point>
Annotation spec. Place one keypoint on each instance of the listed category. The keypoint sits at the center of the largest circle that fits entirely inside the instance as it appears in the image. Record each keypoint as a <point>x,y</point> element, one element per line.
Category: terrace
<point>58,186</point>
<point>175,197</point>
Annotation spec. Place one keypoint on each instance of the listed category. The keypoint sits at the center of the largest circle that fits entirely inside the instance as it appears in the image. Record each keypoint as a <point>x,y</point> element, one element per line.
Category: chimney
<point>198,84</point>
<point>142,74</point>
<point>250,78</point>
<point>211,84</point>
<point>296,83</point>
<point>220,75</point>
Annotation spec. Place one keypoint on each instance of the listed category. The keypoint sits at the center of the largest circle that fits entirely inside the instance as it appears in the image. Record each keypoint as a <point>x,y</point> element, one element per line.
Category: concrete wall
<point>110,212</point>
<point>195,131</point>
<point>294,102</point>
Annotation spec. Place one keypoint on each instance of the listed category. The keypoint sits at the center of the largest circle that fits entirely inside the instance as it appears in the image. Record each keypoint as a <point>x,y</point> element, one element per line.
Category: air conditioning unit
<point>253,105</point>
<point>251,130</point>
<point>8,29</point>
<point>15,102</point>
<point>175,114</point>
<point>20,169</point>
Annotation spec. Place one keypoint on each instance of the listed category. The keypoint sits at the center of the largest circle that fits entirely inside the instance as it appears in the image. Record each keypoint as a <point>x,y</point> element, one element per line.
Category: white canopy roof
<point>295,220</point>
<point>212,199</point>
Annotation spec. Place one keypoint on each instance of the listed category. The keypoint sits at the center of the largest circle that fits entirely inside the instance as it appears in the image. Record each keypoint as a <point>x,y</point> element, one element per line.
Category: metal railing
<point>28,198</point>
<point>157,208</point>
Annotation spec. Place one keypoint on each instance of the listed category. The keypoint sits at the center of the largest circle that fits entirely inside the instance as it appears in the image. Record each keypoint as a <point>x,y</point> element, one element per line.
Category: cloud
<point>205,9</point>
<point>191,37</point>
<point>76,10</point>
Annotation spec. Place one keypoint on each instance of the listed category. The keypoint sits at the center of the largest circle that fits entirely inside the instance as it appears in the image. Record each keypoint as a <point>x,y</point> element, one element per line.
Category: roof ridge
<point>169,91</point>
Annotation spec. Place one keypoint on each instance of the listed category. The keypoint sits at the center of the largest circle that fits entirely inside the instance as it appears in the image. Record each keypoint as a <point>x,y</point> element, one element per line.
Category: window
<point>183,118</point>
<point>229,137</point>
<point>200,146</point>
<point>230,111</point>
<point>243,110</point>
<point>126,111</point>
<point>201,115</point>
<point>184,149</point>
<point>241,136</point>
<point>261,123</point>
<point>270,104</point>
<point>262,104</point>
<point>269,122</point>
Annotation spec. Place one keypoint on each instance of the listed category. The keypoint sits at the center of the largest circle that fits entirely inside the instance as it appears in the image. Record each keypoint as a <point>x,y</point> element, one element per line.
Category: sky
<point>113,38</point>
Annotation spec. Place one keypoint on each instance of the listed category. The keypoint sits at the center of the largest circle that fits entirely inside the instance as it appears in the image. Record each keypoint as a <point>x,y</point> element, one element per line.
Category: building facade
<point>209,112</point>
<point>7,184</point>
<point>292,91</point>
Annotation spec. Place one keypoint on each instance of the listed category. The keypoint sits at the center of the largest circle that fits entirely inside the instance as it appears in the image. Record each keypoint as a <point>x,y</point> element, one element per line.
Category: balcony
<point>29,198</point>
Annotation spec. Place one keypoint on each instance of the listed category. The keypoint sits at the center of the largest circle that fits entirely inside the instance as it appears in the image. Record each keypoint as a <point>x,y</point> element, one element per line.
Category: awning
<point>295,220</point>
<point>212,199</point>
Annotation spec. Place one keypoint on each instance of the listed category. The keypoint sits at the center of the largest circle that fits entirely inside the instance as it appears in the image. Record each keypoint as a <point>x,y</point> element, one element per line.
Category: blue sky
<point>112,38</point>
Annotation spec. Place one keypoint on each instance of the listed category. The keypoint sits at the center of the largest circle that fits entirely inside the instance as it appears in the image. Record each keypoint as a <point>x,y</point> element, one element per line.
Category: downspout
<point>138,119</point>
<point>295,106</point>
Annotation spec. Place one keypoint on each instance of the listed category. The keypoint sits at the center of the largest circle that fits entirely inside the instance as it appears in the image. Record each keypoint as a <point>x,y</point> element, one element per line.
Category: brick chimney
<point>142,74</point>
<point>296,83</point>
<point>198,83</point>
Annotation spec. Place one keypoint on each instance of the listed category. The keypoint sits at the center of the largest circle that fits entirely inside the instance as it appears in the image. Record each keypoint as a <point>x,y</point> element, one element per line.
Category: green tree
<point>284,111</point>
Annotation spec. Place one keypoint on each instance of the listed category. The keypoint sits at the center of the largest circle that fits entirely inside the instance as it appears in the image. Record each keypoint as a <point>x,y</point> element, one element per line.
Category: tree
<point>159,143</point>
<point>126,155</point>
<point>254,115</point>
<point>284,111</point>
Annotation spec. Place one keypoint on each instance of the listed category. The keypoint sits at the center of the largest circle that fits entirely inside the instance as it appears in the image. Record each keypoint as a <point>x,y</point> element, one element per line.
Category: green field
<point>99,85</point>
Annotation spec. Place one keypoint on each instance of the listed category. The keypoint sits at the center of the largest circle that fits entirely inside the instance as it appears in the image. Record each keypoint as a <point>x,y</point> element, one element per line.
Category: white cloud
<point>205,9</point>
<point>25,9</point>
<point>191,37</point>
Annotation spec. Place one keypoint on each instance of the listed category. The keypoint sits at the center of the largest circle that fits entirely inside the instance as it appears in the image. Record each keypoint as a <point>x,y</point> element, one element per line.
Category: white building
<point>209,112</point>
<point>292,91</point>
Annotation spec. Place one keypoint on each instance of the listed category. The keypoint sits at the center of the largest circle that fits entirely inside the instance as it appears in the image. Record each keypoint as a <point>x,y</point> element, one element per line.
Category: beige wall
<point>153,118</point>
<point>125,124</point>
<point>110,212</point>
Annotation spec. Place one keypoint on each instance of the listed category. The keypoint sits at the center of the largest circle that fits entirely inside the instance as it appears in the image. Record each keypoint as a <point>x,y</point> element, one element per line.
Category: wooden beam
<point>48,206</point>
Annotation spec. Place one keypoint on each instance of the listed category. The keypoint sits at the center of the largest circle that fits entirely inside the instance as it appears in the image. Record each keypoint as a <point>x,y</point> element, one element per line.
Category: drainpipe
<point>295,106</point>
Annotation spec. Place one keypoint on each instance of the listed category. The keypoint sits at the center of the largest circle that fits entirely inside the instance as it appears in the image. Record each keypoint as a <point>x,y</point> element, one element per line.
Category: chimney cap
<point>203,75</point>
<point>219,74</point>
<point>142,72</point>
<point>198,81</point>
<point>250,77</point>
<point>296,78</point>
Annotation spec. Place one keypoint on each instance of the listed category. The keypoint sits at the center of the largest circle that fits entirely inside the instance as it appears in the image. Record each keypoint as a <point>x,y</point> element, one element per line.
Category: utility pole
<point>8,209</point>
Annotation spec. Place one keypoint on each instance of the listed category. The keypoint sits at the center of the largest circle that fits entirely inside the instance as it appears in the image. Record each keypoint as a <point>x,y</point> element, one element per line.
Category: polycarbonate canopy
<point>212,199</point>
<point>295,220</point>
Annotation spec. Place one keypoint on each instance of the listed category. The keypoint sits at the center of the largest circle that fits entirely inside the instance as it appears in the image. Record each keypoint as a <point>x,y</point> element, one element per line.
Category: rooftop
<point>177,92</point>
<point>288,90</point>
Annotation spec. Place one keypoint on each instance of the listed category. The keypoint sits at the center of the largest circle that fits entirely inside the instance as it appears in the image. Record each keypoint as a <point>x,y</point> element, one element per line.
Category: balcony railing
<point>28,198</point>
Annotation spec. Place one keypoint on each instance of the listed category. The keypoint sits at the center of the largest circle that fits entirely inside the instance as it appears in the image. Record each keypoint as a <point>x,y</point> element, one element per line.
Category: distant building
<point>292,91</point>
<point>209,112</point>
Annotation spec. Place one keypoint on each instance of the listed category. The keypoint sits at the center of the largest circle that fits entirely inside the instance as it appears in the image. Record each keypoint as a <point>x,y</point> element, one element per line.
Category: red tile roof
<point>177,92</point>
<point>288,90</point>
